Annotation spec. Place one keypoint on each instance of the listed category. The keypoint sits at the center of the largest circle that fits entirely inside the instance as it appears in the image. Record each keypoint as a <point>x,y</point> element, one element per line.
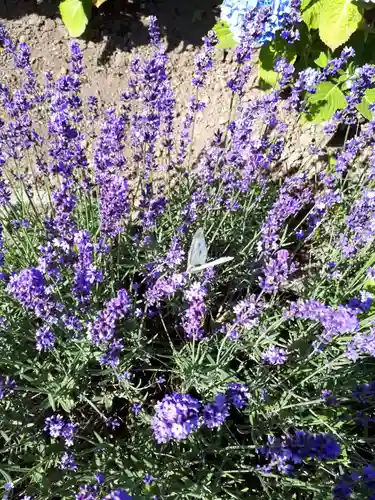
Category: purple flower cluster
<point>247,312</point>
<point>335,321</point>
<point>103,328</point>
<point>164,288</point>
<point>193,318</point>
<point>114,203</point>
<point>238,395</point>
<point>67,462</point>
<point>45,339</point>
<point>91,492</point>
<point>277,271</point>
<point>290,450</point>
<point>275,355</point>
<point>29,288</point>
<point>86,274</point>
<point>362,343</point>
<point>215,414</point>
<point>204,59</point>
<point>176,417</point>
<point>349,483</point>
<point>7,386</point>
<point>57,426</point>
<point>360,224</point>
<point>293,196</point>
<point>179,415</point>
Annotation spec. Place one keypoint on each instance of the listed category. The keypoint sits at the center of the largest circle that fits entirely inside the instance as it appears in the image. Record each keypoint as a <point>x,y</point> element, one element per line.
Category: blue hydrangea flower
<point>233,12</point>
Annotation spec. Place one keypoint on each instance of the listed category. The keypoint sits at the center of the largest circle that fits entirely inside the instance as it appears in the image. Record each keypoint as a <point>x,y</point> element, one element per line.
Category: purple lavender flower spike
<point>103,328</point>
<point>215,413</point>
<point>275,355</point>
<point>193,318</point>
<point>29,288</point>
<point>288,451</point>
<point>45,339</point>
<point>86,274</point>
<point>238,395</point>
<point>7,386</point>
<point>335,321</point>
<point>119,494</point>
<point>176,416</point>
<point>67,462</point>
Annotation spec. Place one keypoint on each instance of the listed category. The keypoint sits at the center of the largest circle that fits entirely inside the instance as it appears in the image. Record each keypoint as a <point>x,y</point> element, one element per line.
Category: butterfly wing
<point>198,250</point>
<point>213,263</point>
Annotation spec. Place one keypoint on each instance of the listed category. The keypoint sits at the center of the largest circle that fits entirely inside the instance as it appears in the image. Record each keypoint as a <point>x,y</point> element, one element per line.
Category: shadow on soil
<point>123,23</point>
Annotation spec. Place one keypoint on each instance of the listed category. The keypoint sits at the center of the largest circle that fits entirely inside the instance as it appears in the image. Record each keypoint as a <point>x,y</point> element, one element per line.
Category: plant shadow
<point>122,24</point>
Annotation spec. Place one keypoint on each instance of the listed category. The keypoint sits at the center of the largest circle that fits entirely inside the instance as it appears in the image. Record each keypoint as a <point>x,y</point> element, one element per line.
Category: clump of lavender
<point>97,209</point>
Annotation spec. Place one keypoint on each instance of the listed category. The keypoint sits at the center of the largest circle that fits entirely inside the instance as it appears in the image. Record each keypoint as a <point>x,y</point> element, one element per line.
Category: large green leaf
<point>224,35</point>
<point>266,62</point>
<point>363,106</point>
<point>338,20</point>
<point>327,99</point>
<point>75,15</point>
<point>310,10</point>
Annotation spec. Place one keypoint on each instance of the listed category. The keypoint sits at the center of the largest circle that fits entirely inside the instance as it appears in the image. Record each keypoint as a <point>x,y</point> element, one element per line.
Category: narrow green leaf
<point>327,99</point>
<point>51,401</point>
<point>363,106</point>
<point>224,35</point>
<point>338,20</point>
<point>75,15</point>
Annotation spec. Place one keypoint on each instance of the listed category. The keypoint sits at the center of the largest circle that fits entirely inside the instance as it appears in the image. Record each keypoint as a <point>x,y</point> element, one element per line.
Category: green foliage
<point>267,56</point>
<point>327,25</point>
<point>338,20</point>
<point>224,35</point>
<point>368,99</point>
<point>310,10</point>
<point>76,15</point>
<point>322,104</point>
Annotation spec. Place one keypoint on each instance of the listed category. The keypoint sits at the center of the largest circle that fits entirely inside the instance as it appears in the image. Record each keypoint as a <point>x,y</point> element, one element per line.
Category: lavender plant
<point>127,374</point>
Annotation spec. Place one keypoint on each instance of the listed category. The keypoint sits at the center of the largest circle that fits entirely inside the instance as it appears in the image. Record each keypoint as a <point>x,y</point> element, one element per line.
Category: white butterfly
<point>198,254</point>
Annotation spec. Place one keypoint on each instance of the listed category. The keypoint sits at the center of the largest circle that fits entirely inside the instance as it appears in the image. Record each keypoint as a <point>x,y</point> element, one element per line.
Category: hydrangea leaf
<point>338,20</point>
<point>266,62</point>
<point>224,35</point>
<point>75,15</point>
<point>267,57</point>
<point>321,60</point>
<point>310,10</point>
<point>363,106</point>
<point>327,99</point>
